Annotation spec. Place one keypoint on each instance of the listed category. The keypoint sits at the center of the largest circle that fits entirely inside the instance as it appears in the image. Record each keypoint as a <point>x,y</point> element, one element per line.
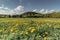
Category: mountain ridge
<point>33,15</point>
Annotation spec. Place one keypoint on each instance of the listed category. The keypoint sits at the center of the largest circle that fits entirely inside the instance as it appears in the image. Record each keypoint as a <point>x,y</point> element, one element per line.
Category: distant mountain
<point>30,14</point>
<point>40,15</point>
<point>33,15</point>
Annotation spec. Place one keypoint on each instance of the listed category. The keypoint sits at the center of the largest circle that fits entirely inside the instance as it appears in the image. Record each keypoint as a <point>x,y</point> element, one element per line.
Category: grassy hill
<point>33,15</point>
<point>40,15</point>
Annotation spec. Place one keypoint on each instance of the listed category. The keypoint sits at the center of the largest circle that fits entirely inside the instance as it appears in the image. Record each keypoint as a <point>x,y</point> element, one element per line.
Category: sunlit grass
<point>29,28</point>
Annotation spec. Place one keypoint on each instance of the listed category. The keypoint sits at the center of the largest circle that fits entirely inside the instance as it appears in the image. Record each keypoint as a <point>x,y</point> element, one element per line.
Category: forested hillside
<point>32,15</point>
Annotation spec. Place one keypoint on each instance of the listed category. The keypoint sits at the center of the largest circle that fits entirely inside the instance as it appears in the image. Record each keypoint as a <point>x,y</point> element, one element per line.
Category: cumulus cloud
<point>12,12</point>
<point>19,8</point>
<point>8,11</point>
<point>52,11</point>
<point>34,10</point>
<point>44,11</point>
<point>4,10</point>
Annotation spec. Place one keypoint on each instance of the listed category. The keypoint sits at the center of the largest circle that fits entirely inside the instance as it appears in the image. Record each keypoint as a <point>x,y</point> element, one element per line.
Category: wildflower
<point>16,24</point>
<point>45,38</point>
<point>46,32</point>
<point>0,30</point>
<point>39,36</point>
<point>13,33</point>
<point>11,30</point>
<point>32,30</point>
<point>21,32</point>
<point>26,33</point>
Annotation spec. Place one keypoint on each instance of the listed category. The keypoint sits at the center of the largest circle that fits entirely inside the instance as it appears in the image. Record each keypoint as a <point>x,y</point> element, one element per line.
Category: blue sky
<point>29,5</point>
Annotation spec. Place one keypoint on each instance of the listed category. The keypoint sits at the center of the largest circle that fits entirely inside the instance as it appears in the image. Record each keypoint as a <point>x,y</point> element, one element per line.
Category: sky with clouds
<point>18,6</point>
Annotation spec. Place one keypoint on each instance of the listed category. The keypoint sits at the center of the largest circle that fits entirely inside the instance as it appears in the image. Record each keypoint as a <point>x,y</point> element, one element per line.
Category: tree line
<point>33,15</point>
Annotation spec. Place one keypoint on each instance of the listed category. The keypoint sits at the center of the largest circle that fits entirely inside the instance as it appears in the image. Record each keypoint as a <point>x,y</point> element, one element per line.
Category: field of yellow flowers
<point>29,29</point>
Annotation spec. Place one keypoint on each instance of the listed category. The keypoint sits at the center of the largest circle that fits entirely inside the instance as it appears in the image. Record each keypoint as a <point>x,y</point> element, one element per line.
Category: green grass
<point>29,28</point>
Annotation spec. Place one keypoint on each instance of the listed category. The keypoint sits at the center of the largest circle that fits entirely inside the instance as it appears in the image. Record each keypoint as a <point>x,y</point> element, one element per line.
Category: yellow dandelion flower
<point>11,30</point>
<point>46,32</point>
<point>26,33</point>
<point>45,38</point>
<point>13,33</point>
<point>0,30</point>
<point>32,30</point>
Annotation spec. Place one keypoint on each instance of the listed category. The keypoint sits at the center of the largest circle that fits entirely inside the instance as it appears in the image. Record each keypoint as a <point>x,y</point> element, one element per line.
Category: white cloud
<point>19,8</point>
<point>1,7</point>
<point>16,10</point>
<point>12,12</point>
<point>44,11</point>
<point>52,11</point>
<point>4,10</point>
<point>8,11</point>
<point>34,10</point>
<point>41,11</point>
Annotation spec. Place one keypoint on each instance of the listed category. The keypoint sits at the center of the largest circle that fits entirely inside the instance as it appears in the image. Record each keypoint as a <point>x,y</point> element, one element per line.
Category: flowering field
<point>29,29</point>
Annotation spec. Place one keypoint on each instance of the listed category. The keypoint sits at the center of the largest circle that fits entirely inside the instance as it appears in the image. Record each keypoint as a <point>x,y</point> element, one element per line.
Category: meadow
<point>29,29</point>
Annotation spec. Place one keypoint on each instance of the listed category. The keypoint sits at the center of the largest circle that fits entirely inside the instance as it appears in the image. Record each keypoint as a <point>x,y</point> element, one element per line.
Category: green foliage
<point>29,29</point>
<point>33,15</point>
